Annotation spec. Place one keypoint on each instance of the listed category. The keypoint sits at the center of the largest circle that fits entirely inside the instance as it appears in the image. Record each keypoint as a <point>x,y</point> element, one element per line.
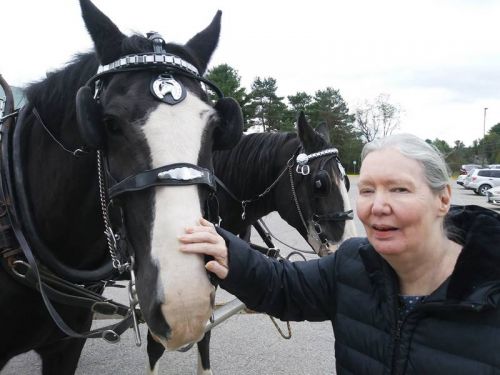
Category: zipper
<point>396,336</point>
<point>396,343</point>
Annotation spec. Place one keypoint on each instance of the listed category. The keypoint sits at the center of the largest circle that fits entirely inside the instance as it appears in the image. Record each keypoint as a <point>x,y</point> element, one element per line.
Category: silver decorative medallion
<point>302,167</point>
<point>302,159</point>
<point>183,173</point>
<point>167,89</point>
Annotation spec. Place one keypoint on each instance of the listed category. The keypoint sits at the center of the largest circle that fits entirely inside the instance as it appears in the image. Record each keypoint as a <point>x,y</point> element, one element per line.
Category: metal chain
<point>296,200</point>
<point>110,236</point>
<point>298,207</point>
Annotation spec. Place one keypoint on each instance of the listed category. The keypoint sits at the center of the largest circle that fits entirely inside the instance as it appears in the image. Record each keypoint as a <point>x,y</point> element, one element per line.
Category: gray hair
<point>436,171</point>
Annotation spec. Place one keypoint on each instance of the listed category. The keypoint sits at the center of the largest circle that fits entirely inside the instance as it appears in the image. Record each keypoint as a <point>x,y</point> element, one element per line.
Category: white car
<point>461,179</point>
<point>480,180</point>
<point>493,195</point>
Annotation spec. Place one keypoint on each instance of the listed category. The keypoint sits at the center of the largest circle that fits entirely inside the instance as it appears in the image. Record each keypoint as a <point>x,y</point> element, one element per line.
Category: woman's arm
<point>290,291</point>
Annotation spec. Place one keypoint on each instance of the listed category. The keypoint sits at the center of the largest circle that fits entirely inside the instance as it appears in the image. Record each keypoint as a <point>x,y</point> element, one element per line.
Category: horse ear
<point>230,129</point>
<point>306,132</point>
<point>205,42</point>
<point>105,34</point>
<point>323,131</point>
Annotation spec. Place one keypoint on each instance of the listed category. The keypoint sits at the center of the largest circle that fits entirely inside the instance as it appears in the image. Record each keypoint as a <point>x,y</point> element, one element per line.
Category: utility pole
<point>484,135</point>
<point>484,122</point>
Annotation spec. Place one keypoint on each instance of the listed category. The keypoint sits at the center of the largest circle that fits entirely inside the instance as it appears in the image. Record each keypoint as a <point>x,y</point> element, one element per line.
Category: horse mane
<point>237,166</point>
<point>253,149</point>
<point>54,95</point>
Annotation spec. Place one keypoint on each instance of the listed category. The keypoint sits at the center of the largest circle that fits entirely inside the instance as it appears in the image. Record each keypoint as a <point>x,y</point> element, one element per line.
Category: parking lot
<point>245,344</point>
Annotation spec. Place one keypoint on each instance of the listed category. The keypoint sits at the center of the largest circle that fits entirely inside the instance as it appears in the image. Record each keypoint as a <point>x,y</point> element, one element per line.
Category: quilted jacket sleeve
<point>289,291</point>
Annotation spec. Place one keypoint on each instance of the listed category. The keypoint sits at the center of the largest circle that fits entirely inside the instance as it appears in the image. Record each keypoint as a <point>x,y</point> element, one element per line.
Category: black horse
<point>147,120</point>
<point>266,172</point>
<point>298,175</point>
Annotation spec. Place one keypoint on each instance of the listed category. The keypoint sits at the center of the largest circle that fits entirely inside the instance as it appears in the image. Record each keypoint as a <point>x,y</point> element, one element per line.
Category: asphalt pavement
<point>244,344</point>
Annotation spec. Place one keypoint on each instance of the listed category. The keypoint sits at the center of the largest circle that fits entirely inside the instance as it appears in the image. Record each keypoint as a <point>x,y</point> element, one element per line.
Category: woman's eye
<point>400,190</point>
<point>365,191</point>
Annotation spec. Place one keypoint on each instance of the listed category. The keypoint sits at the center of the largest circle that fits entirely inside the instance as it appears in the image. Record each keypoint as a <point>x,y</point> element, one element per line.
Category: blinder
<point>322,183</point>
<point>229,131</point>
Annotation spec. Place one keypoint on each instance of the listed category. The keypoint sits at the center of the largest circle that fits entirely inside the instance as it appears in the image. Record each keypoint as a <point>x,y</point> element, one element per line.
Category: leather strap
<point>151,178</point>
<point>336,216</point>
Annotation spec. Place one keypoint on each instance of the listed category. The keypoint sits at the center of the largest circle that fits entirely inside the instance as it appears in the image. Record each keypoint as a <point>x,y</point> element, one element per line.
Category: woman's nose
<point>380,205</point>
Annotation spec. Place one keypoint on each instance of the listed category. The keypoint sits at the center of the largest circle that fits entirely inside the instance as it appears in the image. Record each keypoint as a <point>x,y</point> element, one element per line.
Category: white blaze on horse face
<point>174,134</point>
<point>349,228</point>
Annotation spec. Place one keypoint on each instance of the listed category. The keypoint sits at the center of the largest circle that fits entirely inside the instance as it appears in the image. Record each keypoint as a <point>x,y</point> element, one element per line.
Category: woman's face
<point>398,209</point>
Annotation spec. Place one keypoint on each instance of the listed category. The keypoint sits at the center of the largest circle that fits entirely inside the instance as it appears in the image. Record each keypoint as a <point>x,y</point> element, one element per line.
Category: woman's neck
<point>424,271</point>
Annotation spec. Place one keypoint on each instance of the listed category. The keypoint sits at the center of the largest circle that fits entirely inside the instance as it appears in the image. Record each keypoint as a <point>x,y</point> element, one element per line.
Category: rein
<point>31,273</point>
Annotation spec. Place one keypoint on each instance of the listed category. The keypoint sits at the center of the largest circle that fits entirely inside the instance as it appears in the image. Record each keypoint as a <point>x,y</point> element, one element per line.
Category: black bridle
<point>16,238</point>
<point>300,161</point>
<point>303,168</point>
<point>179,174</point>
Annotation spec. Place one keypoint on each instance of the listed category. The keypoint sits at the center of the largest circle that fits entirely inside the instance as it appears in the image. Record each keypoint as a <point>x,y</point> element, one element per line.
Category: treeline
<point>349,128</point>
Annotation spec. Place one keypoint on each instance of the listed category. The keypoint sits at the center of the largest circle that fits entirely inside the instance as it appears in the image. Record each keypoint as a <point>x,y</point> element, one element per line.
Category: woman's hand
<point>203,239</point>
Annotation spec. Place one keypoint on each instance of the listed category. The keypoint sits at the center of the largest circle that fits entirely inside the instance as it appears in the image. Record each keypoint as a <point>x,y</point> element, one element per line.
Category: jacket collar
<point>477,272</point>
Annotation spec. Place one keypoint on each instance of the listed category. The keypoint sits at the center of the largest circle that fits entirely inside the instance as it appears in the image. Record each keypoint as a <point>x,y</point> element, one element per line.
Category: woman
<point>419,295</point>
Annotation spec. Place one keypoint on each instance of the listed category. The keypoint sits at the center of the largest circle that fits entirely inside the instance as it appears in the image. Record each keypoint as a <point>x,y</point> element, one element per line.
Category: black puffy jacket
<point>455,330</point>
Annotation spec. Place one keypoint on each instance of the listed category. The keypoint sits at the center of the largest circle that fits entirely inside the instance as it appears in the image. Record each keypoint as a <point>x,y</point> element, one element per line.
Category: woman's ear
<point>444,200</point>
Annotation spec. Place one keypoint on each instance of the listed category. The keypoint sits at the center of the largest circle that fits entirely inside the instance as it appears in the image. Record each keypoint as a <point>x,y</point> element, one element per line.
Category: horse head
<point>152,124</point>
<point>320,207</point>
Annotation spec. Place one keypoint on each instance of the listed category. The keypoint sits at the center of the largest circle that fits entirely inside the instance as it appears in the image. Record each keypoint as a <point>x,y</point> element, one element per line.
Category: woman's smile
<point>382,231</point>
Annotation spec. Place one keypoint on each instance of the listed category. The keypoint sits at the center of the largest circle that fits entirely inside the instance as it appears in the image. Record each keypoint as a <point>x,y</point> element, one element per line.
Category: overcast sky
<point>439,60</point>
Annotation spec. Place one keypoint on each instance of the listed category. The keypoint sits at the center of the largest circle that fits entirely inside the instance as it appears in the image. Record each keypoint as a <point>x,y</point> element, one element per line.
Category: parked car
<point>461,179</point>
<point>494,166</point>
<point>493,195</point>
<point>466,168</point>
<point>468,178</point>
<point>481,180</point>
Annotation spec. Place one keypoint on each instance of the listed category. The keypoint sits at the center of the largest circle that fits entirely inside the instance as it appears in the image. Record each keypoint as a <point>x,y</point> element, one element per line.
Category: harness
<point>300,160</point>
<point>20,239</point>
<point>304,169</point>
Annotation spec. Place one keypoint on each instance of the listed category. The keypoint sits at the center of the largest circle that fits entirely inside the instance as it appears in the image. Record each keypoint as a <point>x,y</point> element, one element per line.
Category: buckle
<point>273,252</point>
<point>110,336</point>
